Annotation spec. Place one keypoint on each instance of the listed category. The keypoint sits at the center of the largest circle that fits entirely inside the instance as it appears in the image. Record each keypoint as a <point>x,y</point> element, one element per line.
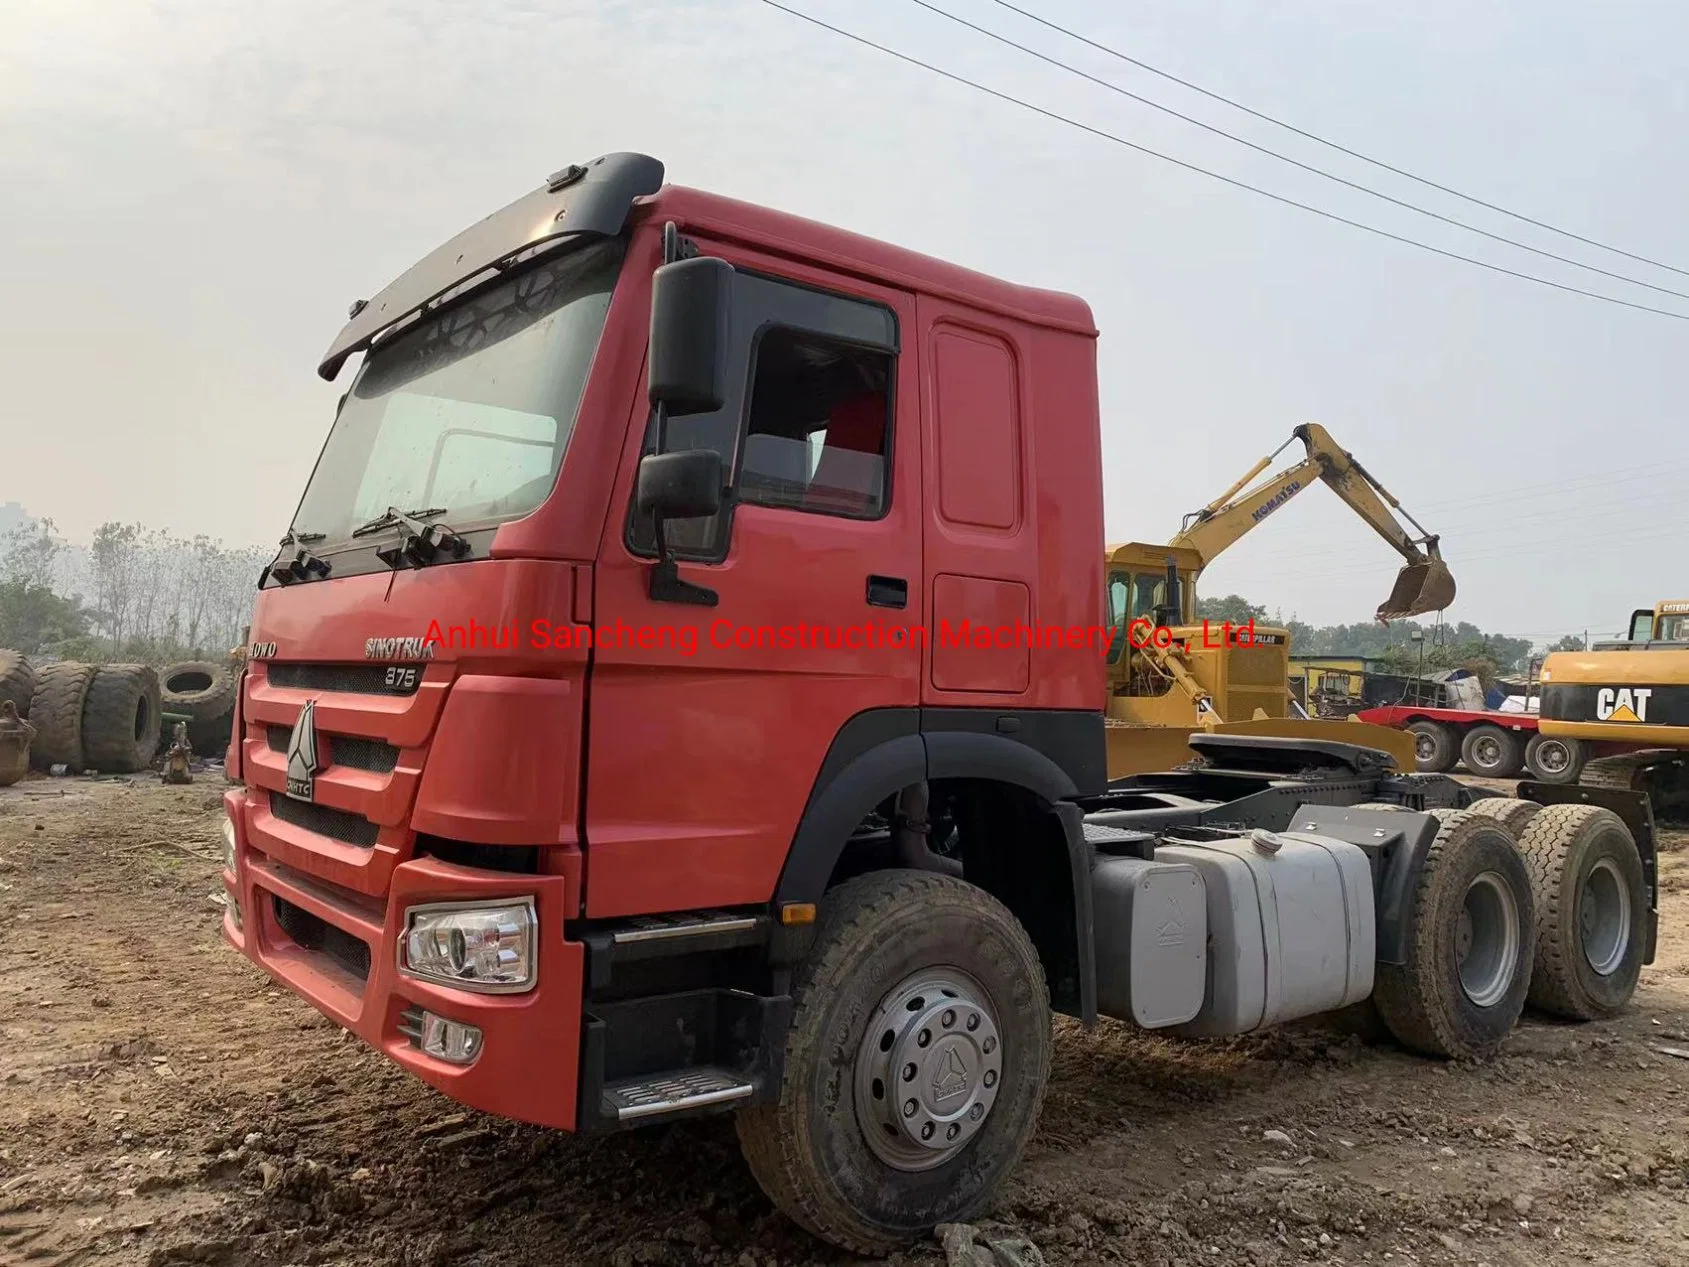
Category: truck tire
<point>55,710</point>
<point>920,979</point>
<point>205,691</point>
<point>1590,896</point>
<point>1492,753</point>
<point>1511,813</point>
<point>120,718</point>
<point>1435,748</point>
<point>1554,760</point>
<point>1469,955</point>
<point>17,681</point>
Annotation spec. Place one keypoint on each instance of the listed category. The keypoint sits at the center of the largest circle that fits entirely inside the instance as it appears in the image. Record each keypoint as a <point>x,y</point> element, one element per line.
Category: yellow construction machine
<point>1171,674</point>
<point>1620,711</point>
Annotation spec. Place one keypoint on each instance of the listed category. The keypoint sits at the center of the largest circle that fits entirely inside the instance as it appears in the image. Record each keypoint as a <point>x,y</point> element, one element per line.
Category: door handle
<point>888,591</point>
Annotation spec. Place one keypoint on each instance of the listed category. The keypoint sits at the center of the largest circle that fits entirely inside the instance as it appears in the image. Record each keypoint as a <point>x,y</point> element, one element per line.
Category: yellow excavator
<point>1171,673</point>
<point>1617,715</point>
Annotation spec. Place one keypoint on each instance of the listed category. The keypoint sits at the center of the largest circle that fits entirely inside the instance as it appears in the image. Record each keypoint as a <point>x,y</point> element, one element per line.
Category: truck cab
<point>489,766</point>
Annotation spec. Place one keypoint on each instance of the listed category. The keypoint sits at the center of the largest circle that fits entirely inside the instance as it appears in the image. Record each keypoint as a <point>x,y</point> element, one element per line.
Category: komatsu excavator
<point>1171,674</point>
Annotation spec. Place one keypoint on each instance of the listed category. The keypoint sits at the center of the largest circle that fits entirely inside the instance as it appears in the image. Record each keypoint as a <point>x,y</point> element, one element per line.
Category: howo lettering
<point>837,891</point>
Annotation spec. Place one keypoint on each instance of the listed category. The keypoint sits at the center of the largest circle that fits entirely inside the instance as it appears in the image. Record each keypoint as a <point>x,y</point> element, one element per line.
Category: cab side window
<point>808,423</point>
<point>819,428</point>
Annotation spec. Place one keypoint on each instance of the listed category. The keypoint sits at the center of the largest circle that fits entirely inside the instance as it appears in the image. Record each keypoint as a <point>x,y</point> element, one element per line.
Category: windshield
<point>469,413</point>
<point>1673,629</point>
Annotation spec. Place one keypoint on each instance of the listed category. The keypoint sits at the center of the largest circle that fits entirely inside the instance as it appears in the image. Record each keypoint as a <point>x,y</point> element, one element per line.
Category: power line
<point>1294,162</point>
<point>1229,180</point>
<point>1329,144</point>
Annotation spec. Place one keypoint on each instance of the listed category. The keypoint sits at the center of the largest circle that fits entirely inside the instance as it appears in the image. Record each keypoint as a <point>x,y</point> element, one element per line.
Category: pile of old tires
<point>85,716</point>
<point>205,691</point>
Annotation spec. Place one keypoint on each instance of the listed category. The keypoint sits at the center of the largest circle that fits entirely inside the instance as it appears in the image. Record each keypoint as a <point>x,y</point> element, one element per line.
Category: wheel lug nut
<point>977,1112</point>
<point>909,1108</point>
<point>989,1045</point>
<point>909,1072</point>
<point>926,1131</point>
<point>990,1078</point>
<point>973,1021</point>
<point>923,1038</point>
<point>947,1020</point>
<point>953,1132</point>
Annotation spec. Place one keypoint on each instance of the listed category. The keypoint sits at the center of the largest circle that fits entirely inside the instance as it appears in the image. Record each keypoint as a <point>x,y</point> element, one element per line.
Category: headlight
<point>488,946</point>
<point>228,844</point>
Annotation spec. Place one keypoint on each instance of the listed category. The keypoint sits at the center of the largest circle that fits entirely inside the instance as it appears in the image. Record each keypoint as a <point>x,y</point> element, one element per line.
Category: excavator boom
<point>1424,584</point>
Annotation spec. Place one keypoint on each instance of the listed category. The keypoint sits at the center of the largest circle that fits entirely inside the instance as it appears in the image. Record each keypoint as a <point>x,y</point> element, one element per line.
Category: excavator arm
<point>1423,585</point>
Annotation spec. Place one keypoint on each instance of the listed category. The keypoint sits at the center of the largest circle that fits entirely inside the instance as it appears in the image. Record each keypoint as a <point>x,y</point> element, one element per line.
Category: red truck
<point>679,692</point>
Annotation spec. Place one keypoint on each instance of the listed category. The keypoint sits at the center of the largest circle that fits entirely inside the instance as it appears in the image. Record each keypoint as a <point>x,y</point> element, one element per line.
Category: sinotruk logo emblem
<point>302,761</point>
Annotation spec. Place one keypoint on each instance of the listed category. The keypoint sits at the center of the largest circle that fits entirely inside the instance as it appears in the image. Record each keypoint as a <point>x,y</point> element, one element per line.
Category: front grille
<point>362,679</point>
<point>312,932</point>
<point>348,750</point>
<point>1256,666</point>
<point>336,824</point>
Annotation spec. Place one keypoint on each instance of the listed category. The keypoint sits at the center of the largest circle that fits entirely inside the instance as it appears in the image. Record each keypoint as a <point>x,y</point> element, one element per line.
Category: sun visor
<point>590,198</point>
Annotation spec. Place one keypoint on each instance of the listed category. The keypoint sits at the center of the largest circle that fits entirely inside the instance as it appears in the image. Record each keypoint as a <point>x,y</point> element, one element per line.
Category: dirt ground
<point>160,1103</point>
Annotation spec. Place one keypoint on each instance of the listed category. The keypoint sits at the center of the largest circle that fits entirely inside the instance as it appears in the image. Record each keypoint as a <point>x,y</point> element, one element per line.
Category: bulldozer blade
<point>1420,588</point>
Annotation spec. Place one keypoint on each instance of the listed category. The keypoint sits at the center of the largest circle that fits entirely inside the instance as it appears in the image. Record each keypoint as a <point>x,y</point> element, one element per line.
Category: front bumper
<point>528,1065</point>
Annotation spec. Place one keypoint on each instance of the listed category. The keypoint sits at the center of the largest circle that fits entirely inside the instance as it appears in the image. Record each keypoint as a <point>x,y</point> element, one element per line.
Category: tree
<point>33,618</point>
<point>1232,607</point>
<point>1569,642</point>
<point>115,564</point>
<point>30,554</point>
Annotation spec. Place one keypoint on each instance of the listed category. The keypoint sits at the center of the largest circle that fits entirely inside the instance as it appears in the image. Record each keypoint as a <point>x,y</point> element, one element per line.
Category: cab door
<point>708,725</point>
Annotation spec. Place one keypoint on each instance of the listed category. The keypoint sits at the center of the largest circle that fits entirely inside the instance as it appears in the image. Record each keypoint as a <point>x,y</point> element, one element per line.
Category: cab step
<point>683,1091</point>
<point>652,937</point>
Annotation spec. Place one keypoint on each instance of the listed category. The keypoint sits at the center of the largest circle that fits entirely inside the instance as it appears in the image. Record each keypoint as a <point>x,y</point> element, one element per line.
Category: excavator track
<point>1662,773</point>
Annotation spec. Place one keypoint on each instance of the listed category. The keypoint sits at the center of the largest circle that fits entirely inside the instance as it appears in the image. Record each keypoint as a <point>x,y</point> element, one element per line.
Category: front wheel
<point>915,1064</point>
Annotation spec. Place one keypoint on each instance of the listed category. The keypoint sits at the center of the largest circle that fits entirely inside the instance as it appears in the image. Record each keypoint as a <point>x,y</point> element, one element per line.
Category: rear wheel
<point>1510,813</point>
<point>1434,747</point>
<point>1592,899</point>
<point>915,1063</point>
<point>1555,760</point>
<point>1492,753</point>
<point>1468,963</point>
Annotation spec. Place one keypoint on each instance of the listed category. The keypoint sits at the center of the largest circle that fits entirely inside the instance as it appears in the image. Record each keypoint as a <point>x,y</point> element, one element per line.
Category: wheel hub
<point>1553,757</point>
<point>1423,747</point>
<point>1487,751</point>
<point>1604,917</point>
<point>1486,939</point>
<point>928,1069</point>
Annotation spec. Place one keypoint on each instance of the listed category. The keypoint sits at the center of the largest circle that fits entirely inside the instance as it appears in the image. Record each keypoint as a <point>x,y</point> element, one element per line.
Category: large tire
<point>1469,954</point>
<point>881,937</point>
<point>1552,759</point>
<point>120,718</point>
<point>205,690</point>
<point>1492,753</point>
<point>1510,813</point>
<point>1435,747</point>
<point>17,681</point>
<point>1591,899</point>
<point>55,710</point>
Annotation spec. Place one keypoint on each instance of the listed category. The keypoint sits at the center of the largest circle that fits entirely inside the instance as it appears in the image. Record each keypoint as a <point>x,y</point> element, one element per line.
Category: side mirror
<point>691,314</point>
<point>682,485</point>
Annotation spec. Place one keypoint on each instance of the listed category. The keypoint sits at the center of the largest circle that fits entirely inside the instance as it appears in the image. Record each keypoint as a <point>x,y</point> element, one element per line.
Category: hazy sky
<point>191,193</point>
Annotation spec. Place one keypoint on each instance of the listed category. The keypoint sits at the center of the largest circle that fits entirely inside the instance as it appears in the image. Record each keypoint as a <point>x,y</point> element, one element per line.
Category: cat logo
<point>1625,703</point>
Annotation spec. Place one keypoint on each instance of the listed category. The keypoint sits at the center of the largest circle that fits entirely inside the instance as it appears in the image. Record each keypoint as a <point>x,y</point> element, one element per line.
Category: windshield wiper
<point>419,543</point>
<point>303,565</point>
<point>393,516</point>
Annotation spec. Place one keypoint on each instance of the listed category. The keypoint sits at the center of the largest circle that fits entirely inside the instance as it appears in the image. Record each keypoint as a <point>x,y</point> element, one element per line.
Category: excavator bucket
<point>1420,588</point>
